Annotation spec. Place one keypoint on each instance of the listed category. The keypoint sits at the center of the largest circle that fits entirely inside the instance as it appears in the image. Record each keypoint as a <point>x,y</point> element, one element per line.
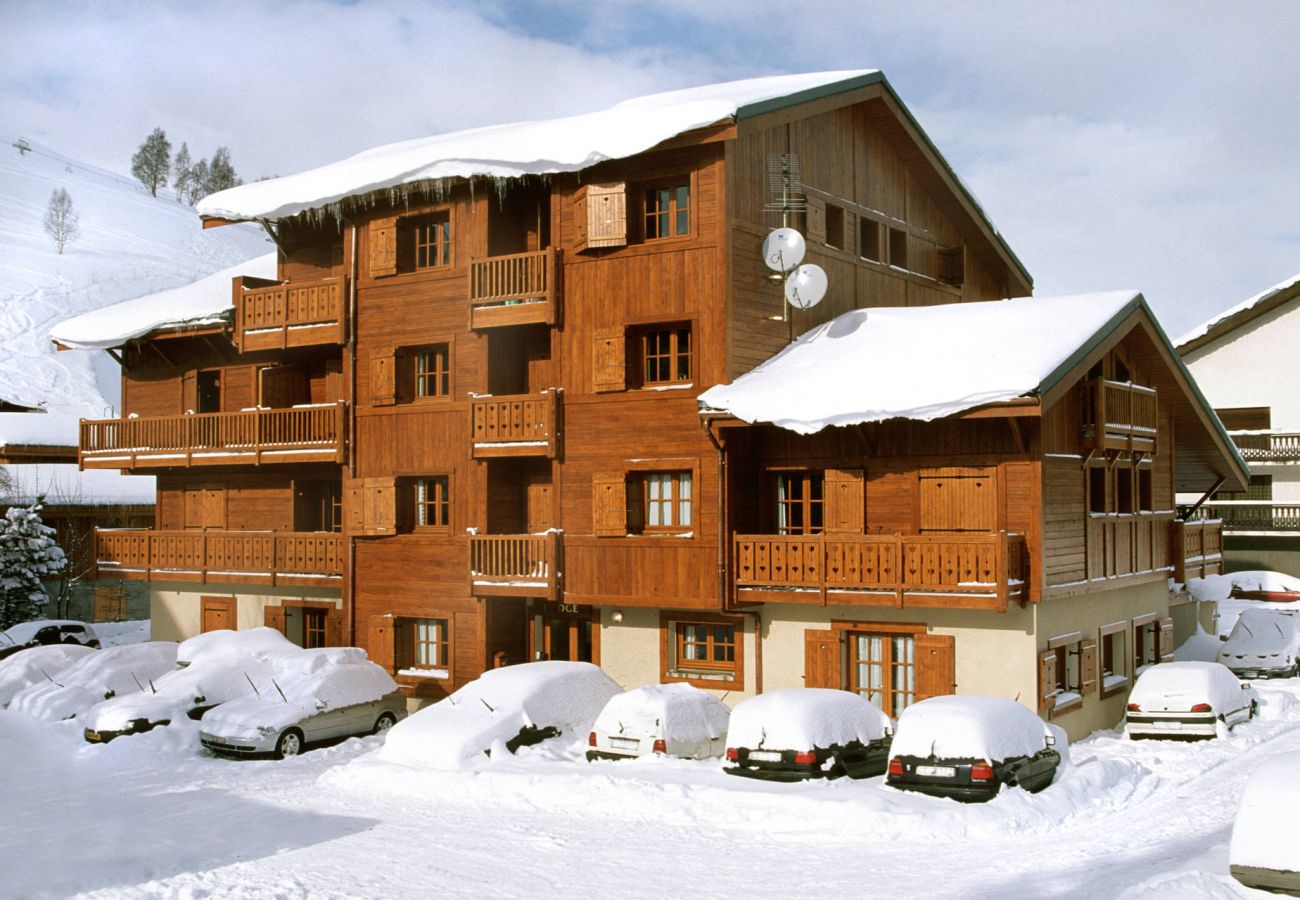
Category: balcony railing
<point>252,437</point>
<point>1119,416</point>
<point>1197,549</point>
<point>519,425</point>
<point>1267,446</point>
<point>525,565</point>
<point>1254,515</point>
<point>518,289</point>
<point>273,315</point>
<point>981,571</point>
<point>241,557</point>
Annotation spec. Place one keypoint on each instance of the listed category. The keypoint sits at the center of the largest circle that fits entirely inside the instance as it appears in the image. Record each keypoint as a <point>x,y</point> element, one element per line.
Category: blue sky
<point>1115,144</point>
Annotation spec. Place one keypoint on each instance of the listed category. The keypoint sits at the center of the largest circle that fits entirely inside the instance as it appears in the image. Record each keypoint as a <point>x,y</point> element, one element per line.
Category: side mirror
<point>321,705</point>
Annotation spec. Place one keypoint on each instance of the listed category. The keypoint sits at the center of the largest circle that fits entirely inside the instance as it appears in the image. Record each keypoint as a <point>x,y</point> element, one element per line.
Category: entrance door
<point>216,612</point>
<point>564,631</point>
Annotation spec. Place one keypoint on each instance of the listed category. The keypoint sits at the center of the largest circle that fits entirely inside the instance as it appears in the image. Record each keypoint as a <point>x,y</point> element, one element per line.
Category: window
<point>1114,660</point>
<point>431,241</point>
<point>869,239</point>
<point>1146,496</point>
<point>430,641</point>
<point>432,371</point>
<point>834,226</point>
<point>313,628</point>
<point>665,354</point>
<point>898,247</point>
<point>659,501</point>
<point>1096,489</point>
<point>1146,642</point>
<point>1068,689</point>
<point>319,506</point>
<point>1123,489</point>
<point>799,503</point>
<point>432,497</point>
<point>667,211</point>
<point>882,668</point>
<point>706,646</point>
<point>702,649</point>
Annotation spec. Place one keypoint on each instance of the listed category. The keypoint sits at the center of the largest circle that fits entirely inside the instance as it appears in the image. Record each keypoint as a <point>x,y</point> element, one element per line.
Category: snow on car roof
<point>803,718</point>
<point>120,670</point>
<point>992,728</point>
<point>1192,680</point>
<point>846,371</point>
<point>225,642</point>
<point>25,631</point>
<point>1260,835</point>
<point>1263,580</point>
<point>680,711</point>
<point>1262,631</point>
<point>37,664</point>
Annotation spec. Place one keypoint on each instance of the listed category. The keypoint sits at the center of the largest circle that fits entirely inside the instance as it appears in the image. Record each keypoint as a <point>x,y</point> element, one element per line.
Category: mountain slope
<point>131,244</point>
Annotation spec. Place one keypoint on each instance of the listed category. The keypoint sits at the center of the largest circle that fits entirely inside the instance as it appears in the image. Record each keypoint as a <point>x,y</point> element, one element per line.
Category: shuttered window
<point>882,668</point>
<point>667,211</point>
<point>659,501</point>
<point>430,239</point>
<point>665,353</point>
<point>432,502</point>
<point>799,502</point>
<point>958,499</point>
<point>430,643</point>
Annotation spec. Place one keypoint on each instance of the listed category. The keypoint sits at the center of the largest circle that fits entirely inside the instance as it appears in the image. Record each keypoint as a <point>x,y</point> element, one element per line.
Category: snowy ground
<point>152,816</point>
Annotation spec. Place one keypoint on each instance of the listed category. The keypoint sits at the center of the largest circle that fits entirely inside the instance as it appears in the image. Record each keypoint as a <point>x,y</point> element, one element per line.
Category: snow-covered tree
<point>60,220</point>
<point>184,172</point>
<point>28,554</point>
<point>221,172</point>
<point>152,163</point>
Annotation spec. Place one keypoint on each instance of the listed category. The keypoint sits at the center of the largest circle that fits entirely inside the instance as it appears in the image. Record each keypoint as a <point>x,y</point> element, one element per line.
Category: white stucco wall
<point>174,608</point>
<point>629,650</point>
<point>1256,365</point>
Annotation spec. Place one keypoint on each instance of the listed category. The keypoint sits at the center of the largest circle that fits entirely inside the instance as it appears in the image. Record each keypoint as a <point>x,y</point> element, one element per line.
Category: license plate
<point>765,755</point>
<point>622,743</point>
<point>93,736</point>
<point>937,771</point>
<point>1170,725</point>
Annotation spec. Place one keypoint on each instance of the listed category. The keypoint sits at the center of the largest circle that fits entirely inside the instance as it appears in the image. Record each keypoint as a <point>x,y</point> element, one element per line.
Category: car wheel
<point>384,722</point>
<point>289,744</point>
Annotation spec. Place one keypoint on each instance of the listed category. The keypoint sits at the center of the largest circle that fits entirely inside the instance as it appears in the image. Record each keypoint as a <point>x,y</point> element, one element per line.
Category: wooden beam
<point>217,221</point>
<point>1027,406</point>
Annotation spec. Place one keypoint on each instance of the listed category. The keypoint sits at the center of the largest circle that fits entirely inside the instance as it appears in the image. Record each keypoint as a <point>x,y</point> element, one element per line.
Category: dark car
<point>968,748</point>
<point>45,633</point>
<point>801,733</point>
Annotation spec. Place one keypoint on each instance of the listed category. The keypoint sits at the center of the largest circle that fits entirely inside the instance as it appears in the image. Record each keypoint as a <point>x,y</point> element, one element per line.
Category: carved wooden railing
<point>272,315</point>
<point>258,557</point>
<point>1196,549</point>
<point>525,424</point>
<point>301,434</point>
<point>1119,416</point>
<point>514,289</point>
<point>990,567</point>
<point>1271,446</point>
<point>516,564</point>
<point>1254,515</point>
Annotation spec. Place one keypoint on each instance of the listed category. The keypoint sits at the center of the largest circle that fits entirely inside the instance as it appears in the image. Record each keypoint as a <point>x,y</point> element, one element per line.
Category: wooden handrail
<point>520,561</point>
<point>1256,446</point>
<point>266,311</point>
<point>522,417</point>
<point>1196,549</point>
<point>1255,515</point>
<point>149,554</point>
<point>513,277</point>
<point>1120,415</point>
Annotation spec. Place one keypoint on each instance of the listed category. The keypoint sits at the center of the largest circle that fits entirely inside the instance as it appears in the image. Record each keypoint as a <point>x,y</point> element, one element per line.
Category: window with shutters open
<point>600,214</point>
<point>1114,658</point>
<point>1068,671</point>
<point>798,502</point>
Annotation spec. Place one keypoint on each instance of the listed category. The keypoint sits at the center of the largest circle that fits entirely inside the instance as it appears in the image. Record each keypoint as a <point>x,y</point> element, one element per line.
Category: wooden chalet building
<point>464,415</point>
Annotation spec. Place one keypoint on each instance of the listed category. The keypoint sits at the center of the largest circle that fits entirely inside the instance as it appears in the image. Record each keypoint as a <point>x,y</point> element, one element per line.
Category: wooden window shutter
<point>1166,640</point>
<point>334,628</point>
<point>821,659</point>
<point>1046,681</point>
<point>816,220</point>
<point>273,617</point>
<point>608,361</point>
<point>383,247</point>
<point>214,507</point>
<point>600,211</point>
<point>354,507</point>
<point>936,665</point>
<point>194,509</point>
<point>381,506</point>
<point>845,508</point>
<point>383,380</point>
<point>379,642</point>
<point>189,392</point>
<point>1087,667</point>
<point>958,499</point>
<point>609,504</point>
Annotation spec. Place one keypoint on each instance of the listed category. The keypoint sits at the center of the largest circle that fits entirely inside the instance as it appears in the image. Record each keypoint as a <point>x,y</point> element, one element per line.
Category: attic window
<point>835,226</point>
<point>869,239</point>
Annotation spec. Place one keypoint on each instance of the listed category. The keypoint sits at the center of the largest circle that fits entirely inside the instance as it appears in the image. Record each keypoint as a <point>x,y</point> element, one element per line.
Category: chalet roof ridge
<point>1239,314</point>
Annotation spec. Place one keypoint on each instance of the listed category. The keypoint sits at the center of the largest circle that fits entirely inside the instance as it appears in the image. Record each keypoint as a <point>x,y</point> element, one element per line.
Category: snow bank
<point>115,634</point>
<point>1178,686</point>
<point>1212,588</point>
<point>525,148</point>
<point>804,718</point>
<point>680,711</point>
<point>461,728</point>
<point>203,302</point>
<point>27,667</point>
<point>992,728</point>
<point>847,371</point>
<point>113,672</point>
<point>38,430</point>
<point>1261,837</point>
<point>62,484</point>
<point>1200,647</point>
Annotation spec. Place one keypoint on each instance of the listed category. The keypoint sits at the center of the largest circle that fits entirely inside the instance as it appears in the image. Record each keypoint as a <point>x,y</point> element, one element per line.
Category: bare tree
<point>152,163</point>
<point>221,172</point>
<point>184,172</point>
<point>60,220</point>
<point>197,188</point>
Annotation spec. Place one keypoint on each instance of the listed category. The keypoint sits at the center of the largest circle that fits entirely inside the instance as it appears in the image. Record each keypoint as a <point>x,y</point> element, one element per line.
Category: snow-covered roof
<point>61,484</point>
<point>546,147</point>
<point>1228,318</point>
<point>868,365</point>
<point>38,430</point>
<point>203,302</point>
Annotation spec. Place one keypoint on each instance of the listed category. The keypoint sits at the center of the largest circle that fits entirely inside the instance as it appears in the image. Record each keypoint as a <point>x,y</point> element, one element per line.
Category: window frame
<point>888,664</point>
<point>1107,635</point>
<point>414,228</point>
<point>807,504</point>
<point>441,377</point>
<point>721,675</point>
<point>673,184</point>
<point>1069,669</point>
<point>441,643</point>
<point>638,483</point>
<point>639,336</point>
<point>441,505</point>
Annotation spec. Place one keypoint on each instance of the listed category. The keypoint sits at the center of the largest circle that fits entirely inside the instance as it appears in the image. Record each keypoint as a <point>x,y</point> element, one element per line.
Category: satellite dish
<point>806,286</point>
<point>783,249</point>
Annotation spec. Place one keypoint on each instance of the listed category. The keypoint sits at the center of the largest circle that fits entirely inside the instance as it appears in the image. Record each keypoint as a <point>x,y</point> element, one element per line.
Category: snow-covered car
<point>37,664</point>
<point>44,632</point>
<point>212,668</point>
<point>1188,701</point>
<point>315,696</point>
<point>968,747</point>
<point>799,733</point>
<point>1263,643</point>
<point>1277,587</point>
<point>500,712</point>
<point>95,677</point>
<point>1264,852</point>
<point>672,719</point>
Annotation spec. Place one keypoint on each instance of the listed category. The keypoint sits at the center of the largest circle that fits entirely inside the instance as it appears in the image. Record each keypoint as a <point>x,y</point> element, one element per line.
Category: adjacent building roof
<point>35,429</point>
<point>203,302</point>
<point>62,484</point>
<point>1235,316</point>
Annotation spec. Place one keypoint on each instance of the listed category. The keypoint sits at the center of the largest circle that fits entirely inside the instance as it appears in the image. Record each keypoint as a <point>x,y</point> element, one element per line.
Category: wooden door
<point>217,612</point>
<point>822,666</point>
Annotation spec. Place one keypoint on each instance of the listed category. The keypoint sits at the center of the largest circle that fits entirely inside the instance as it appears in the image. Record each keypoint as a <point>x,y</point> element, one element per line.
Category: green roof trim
<point>872,78</point>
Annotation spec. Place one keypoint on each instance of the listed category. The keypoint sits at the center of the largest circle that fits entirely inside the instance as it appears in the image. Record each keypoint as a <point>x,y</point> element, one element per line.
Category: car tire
<point>289,744</point>
<point>384,722</point>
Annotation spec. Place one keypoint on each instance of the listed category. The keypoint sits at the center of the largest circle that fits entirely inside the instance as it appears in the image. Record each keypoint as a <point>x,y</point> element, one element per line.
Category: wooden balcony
<point>253,437</point>
<point>518,425</point>
<point>239,557</point>
<point>276,315</point>
<point>1265,516</point>
<point>1196,549</point>
<point>1267,447</point>
<point>518,289</point>
<point>967,571</point>
<point>516,565</point>
<point>1119,416</point>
